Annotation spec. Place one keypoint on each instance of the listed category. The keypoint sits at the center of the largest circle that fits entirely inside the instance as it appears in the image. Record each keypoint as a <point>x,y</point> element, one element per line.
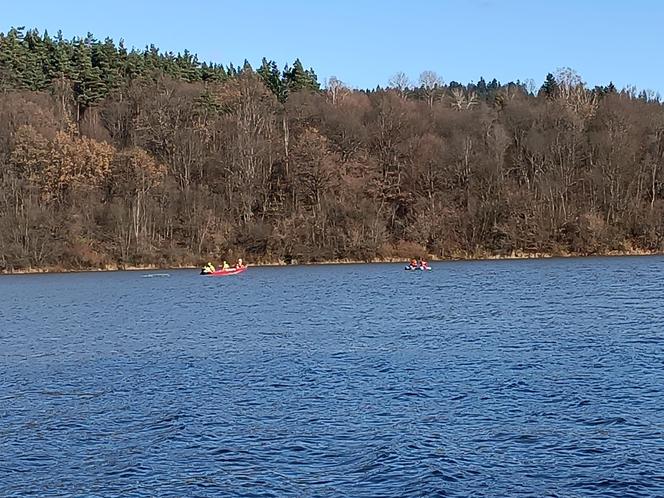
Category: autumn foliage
<point>146,158</point>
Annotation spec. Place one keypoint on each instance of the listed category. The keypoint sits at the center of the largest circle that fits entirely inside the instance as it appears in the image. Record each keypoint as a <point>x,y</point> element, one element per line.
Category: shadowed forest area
<point>111,157</point>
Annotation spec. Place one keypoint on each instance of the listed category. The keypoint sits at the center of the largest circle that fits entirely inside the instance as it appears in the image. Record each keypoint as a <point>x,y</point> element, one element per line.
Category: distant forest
<point>116,157</point>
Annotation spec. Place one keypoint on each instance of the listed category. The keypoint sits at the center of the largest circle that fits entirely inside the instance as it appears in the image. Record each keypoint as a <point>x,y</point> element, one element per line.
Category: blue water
<point>502,378</point>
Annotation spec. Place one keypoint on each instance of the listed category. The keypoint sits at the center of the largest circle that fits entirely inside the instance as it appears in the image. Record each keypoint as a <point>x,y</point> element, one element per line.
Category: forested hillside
<point>115,157</point>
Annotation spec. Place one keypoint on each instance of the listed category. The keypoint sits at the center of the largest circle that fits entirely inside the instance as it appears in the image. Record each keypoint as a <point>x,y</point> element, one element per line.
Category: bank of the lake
<point>482,256</point>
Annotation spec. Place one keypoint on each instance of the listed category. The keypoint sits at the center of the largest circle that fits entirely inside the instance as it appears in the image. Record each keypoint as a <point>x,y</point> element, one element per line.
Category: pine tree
<point>105,58</point>
<point>246,68</point>
<point>188,66</point>
<point>60,58</point>
<point>88,84</point>
<point>134,66</point>
<point>455,85</point>
<point>152,60</point>
<point>271,77</point>
<point>296,78</point>
<point>481,89</point>
<point>12,58</point>
<point>35,72</point>
<point>550,87</point>
<point>212,72</point>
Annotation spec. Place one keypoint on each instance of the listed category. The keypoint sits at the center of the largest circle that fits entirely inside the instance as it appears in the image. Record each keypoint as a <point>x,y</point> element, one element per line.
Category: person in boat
<point>239,264</point>
<point>412,265</point>
<point>226,266</point>
<point>424,265</point>
<point>209,268</point>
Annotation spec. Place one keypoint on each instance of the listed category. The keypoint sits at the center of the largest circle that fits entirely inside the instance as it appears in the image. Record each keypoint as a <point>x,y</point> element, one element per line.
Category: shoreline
<point>461,258</point>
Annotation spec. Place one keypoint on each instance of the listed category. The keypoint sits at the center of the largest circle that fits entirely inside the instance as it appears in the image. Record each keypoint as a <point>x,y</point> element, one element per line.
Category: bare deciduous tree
<point>431,83</point>
<point>336,89</point>
<point>462,101</point>
<point>401,83</point>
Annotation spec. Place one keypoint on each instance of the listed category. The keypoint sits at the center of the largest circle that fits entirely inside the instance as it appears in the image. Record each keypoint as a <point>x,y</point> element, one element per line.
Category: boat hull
<point>225,273</point>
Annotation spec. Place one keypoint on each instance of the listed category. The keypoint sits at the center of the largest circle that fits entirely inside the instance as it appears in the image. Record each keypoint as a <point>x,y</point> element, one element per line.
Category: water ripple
<point>534,378</point>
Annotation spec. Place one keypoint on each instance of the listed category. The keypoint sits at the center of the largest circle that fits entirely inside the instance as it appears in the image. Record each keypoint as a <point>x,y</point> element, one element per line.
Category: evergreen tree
<point>60,58</point>
<point>12,59</point>
<point>88,83</point>
<point>550,87</point>
<point>455,85</point>
<point>188,66</point>
<point>271,77</point>
<point>32,75</point>
<point>246,68</point>
<point>494,85</point>
<point>481,89</point>
<point>296,78</point>
<point>212,72</point>
<point>106,58</point>
<point>134,65</point>
<point>151,59</point>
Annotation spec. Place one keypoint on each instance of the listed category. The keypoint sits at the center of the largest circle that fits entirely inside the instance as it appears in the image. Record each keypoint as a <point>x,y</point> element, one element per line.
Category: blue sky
<point>363,43</point>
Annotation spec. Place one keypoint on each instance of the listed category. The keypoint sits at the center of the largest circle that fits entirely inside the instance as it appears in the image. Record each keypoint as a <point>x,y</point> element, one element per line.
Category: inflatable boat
<point>223,273</point>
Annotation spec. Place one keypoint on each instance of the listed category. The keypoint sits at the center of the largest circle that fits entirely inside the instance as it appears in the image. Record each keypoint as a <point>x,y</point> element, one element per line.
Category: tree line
<point>115,157</point>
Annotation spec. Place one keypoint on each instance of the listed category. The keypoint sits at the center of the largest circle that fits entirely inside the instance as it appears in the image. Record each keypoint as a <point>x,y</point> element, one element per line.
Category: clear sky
<point>364,42</point>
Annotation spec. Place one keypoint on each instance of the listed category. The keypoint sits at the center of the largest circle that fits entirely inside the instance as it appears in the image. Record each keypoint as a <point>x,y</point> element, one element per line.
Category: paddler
<point>226,265</point>
<point>209,268</point>
<point>239,263</point>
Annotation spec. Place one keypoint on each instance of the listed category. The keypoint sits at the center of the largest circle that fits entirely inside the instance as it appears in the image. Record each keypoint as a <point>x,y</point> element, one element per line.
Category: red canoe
<point>223,273</point>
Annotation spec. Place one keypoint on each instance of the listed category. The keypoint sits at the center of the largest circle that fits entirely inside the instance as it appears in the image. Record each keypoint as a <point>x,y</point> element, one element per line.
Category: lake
<point>496,378</point>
